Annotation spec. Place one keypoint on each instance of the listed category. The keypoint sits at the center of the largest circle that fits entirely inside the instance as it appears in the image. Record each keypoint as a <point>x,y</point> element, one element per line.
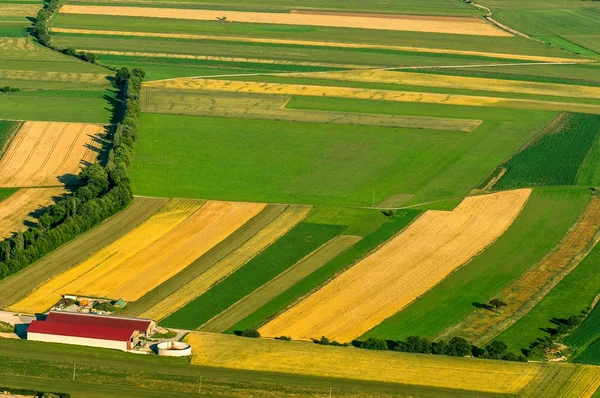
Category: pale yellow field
<point>369,94</point>
<point>106,260</point>
<point>265,237</point>
<point>535,58</point>
<point>19,10</point>
<point>461,26</point>
<point>88,78</point>
<point>16,210</point>
<point>413,262</point>
<point>49,153</point>
<point>265,355</point>
<point>459,82</point>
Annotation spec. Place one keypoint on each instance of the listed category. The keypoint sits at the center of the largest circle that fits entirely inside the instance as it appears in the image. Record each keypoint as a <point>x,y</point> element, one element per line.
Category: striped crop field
<point>460,374</point>
<point>23,207</point>
<point>417,259</point>
<point>50,154</point>
<point>187,228</point>
<point>370,94</point>
<point>270,233</point>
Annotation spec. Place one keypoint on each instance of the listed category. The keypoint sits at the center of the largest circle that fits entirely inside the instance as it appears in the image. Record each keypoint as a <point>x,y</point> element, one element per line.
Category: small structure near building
<point>90,330</point>
<point>174,349</point>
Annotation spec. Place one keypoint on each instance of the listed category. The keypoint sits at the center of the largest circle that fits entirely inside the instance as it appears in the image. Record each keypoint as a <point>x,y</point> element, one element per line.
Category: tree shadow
<point>482,306</point>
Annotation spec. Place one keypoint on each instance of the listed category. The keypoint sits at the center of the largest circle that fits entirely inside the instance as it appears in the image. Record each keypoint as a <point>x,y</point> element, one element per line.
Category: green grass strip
<point>546,218</point>
<point>7,129</point>
<point>6,192</point>
<point>555,158</point>
<point>296,244</point>
<point>385,232</point>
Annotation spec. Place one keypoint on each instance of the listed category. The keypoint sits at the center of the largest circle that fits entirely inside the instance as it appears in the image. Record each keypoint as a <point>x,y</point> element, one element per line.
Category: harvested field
<point>462,374</point>
<point>461,26</point>
<point>229,264</point>
<point>413,262</point>
<point>23,207</point>
<point>48,76</point>
<point>106,260</point>
<point>260,106</point>
<point>524,293</point>
<point>19,285</point>
<point>19,10</point>
<point>279,284</point>
<point>50,153</point>
<point>313,43</point>
<point>460,82</point>
<point>369,94</point>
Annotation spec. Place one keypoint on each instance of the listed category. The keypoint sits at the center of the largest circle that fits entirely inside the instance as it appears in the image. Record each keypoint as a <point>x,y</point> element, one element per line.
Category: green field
<point>296,244</point>
<point>533,234</point>
<point>7,129</point>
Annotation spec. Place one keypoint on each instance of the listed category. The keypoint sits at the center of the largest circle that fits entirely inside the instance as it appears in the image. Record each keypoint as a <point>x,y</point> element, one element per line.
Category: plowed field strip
<point>460,82</point>
<point>16,210</point>
<point>524,293</point>
<point>270,233</point>
<point>174,287</point>
<point>316,44</point>
<point>109,258</point>
<point>465,26</point>
<point>17,286</point>
<point>407,266</point>
<point>369,94</point>
<point>280,284</point>
<point>266,355</point>
<point>174,251</point>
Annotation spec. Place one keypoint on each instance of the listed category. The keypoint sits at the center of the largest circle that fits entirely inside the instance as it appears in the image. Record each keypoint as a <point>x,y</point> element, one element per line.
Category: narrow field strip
<point>483,376</point>
<point>461,26</point>
<point>382,284</point>
<point>50,153</point>
<point>185,102</point>
<point>460,82</point>
<point>524,293</point>
<point>20,208</point>
<point>72,77</point>
<point>277,228</point>
<point>172,286</point>
<point>279,284</point>
<point>105,261</point>
<point>19,285</point>
<point>19,10</point>
<point>369,94</point>
<point>316,44</point>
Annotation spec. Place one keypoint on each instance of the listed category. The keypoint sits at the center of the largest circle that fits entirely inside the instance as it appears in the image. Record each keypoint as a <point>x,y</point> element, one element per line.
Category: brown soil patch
<point>525,292</point>
<point>50,153</point>
<point>466,26</point>
<point>399,272</point>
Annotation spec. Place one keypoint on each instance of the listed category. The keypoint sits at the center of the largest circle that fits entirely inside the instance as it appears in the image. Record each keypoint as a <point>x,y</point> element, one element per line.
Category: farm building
<point>90,330</point>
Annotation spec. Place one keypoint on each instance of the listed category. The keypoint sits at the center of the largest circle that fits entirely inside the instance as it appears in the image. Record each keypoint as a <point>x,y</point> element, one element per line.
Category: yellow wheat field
<point>107,259</point>
<point>400,271</point>
<point>19,10</point>
<point>265,355</point>
<point>16,210</point>
<point>461,26</point>
<point>229,264</point>
<point>534,58</point>
<point>49,153</point>
<point>468,83</point>
<point>368,94</point>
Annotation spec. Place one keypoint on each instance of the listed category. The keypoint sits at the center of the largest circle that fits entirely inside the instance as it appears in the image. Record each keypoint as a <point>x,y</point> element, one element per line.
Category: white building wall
<point>53,338</point>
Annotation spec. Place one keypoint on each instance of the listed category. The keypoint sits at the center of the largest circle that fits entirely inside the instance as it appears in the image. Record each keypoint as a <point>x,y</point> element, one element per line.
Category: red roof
<point>141,325</point>
<point>79,330</point>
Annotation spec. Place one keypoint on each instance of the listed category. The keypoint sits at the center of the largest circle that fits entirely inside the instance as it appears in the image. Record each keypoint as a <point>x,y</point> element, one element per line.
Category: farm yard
<point>393,185</point>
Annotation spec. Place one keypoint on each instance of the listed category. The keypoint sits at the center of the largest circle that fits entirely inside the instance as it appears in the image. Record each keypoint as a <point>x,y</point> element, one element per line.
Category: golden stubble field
<point>383,283</point>
<point>429,24</point>
<point>50,153</point>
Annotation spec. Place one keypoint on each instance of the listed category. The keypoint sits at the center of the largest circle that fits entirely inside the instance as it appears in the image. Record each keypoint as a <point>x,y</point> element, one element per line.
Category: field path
<point>399,272</point>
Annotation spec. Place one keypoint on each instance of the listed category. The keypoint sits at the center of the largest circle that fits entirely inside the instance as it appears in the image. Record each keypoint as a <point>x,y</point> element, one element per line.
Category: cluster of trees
<point>456,347</point>
<point>9,89</point>
<point>87,57</point>
<point>41,25</point>
<point>540,349</point>
<point>105,191</point>
<point>325,341</point>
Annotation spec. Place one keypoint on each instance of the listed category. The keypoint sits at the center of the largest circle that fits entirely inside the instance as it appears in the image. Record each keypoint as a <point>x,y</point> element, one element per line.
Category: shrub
<point>252,333</point>
<point>373,343</point>
<point>284,338</point>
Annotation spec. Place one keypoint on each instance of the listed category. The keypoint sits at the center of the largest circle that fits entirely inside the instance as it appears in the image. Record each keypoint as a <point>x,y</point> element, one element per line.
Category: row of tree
<point>456,347</point>
<point>105,191</point>
<point>41,26</point>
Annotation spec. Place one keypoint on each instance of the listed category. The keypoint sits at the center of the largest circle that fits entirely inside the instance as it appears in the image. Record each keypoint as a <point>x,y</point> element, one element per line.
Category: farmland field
<point>419,172</point>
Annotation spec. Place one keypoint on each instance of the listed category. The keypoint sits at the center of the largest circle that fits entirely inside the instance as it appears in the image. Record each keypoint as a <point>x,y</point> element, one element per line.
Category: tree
<point>458,347</point>
<point>5,250</point>
<point>138,72</point>
<point>496,304</point>
<point>253,333</point>
<point>122,76</point>
<point>373,343</point>
<point>439,347</point>
<point>496,350</point>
